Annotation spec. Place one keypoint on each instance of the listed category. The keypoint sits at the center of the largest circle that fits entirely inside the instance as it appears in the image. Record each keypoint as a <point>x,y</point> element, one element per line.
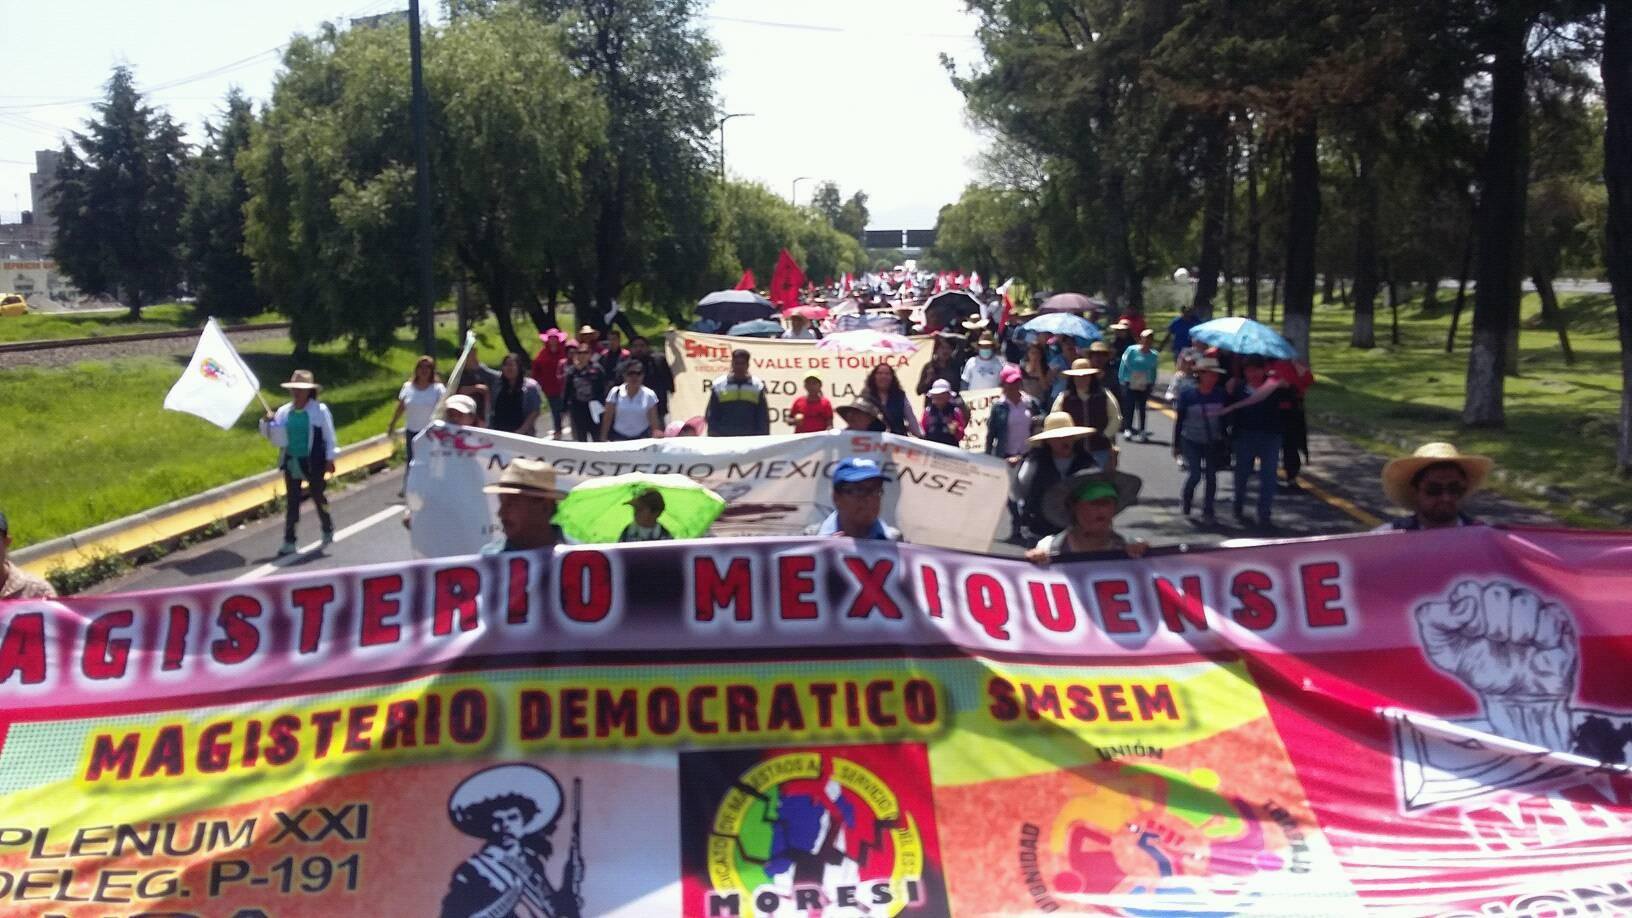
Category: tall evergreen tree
<point>1617,77</point>
<point>218,270</point>
<point>120,198</point>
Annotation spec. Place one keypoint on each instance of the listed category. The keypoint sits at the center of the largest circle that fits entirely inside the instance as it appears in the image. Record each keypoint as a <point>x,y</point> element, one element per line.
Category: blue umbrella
<point>1063,323</point>
<point>1240,335</point>
<point>758,328</point>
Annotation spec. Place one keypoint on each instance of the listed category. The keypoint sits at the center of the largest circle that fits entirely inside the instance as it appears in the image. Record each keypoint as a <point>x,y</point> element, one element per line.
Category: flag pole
<point>458,369</point>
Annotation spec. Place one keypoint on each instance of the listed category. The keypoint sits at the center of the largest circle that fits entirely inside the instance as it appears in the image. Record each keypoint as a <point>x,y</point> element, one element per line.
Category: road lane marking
<point>393,511</point>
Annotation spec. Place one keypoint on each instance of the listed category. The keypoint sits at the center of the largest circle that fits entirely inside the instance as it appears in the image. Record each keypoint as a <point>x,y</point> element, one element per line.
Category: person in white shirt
<point>303,432</point>
<point>631,409</point>
<point>417,401</point>
<point>799,329</point>
<point>983,371</point>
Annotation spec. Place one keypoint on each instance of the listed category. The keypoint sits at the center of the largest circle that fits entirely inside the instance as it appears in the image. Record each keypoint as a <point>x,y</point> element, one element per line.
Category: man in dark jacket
<point>738,405</point>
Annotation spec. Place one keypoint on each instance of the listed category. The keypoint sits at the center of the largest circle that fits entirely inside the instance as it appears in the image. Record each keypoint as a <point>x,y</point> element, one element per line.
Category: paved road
<point>369,531</point>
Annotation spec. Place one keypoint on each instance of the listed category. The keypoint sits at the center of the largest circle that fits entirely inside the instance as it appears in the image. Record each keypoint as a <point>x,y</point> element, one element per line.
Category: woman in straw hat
<point>1432,483</point>
<point>1083,507</point>
<point>1056,453</point>
<point>303,432</point>
<point>1090,404</point>
<point>1198,434</point>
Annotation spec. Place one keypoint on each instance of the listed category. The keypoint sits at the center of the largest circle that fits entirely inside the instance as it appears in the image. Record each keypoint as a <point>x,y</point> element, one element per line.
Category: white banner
<point>698,359</point>
<point>776,485</point>
<point>977,406</point>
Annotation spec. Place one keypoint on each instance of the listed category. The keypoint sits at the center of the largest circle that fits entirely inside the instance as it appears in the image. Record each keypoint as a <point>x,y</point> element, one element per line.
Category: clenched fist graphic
<point>1516,652</point>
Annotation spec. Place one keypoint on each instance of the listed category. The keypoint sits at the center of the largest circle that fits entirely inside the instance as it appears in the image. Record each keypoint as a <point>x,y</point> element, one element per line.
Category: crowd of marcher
<point>1063,414</point>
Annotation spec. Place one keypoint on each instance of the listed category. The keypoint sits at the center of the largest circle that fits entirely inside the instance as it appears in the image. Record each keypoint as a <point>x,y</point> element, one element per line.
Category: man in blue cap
<point>858,497</point>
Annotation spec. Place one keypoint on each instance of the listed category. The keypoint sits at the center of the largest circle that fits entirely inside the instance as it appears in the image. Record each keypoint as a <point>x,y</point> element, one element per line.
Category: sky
<point>811,74</point>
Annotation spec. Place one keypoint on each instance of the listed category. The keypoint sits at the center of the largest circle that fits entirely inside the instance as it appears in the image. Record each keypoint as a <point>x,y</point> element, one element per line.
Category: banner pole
<point>458,369</point>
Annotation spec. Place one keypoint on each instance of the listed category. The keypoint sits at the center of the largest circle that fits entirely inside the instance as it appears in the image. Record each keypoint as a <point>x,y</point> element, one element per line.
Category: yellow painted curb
<point>172,525</point>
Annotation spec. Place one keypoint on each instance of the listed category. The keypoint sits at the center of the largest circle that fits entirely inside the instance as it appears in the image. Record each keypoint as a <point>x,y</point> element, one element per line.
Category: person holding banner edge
<point>1084,505</point>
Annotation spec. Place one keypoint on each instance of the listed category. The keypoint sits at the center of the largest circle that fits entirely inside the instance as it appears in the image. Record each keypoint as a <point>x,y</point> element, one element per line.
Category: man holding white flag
<point>217,385</point>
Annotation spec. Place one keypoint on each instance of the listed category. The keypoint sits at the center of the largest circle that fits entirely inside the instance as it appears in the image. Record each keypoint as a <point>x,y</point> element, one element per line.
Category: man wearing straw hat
<point>527,498</point>
<point>1432,483</point>
<point>303,432</point>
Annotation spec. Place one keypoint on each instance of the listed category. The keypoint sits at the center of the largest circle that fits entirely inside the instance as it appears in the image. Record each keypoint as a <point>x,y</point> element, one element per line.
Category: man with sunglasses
<point>858,499</point>
<point>1432,483</point>
<point>631,409</point>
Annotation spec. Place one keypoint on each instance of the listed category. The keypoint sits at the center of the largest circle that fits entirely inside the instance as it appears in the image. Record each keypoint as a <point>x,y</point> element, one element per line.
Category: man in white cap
<point>459,409</point>
<point>303,432</point>
<point>1432,483</point>
<point>527,499</point>
<point>982,370</point>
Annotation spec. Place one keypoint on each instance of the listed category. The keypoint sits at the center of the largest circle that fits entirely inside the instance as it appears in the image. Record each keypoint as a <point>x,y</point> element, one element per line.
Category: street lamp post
<point>794,198</point>
<point>422,186</point>
<point>723,120</point>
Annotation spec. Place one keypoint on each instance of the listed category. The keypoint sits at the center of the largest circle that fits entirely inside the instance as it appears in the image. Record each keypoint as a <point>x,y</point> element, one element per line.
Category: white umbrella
<point>867,341</point>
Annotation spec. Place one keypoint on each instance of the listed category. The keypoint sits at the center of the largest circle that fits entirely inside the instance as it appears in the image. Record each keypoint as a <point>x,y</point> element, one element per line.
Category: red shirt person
<point>812,411</point>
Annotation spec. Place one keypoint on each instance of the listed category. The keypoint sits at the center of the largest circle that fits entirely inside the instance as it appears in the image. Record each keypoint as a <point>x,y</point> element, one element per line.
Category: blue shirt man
<point>858,498</point>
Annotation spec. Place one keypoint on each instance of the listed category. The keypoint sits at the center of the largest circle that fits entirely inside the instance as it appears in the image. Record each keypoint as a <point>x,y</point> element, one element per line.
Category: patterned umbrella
<point>758,328</point>
<point>1068,302</point>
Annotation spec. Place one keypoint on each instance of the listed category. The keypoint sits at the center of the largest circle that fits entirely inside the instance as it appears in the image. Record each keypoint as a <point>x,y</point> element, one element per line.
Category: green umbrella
<point>598,510</point>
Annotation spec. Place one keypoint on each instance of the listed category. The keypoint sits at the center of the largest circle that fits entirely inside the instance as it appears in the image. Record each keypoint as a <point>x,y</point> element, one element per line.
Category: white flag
<point>217,384</point>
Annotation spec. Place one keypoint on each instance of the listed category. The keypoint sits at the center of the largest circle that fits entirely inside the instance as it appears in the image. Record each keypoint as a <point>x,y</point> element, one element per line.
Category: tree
<point>120,198</point>
<point>515,131</point>
<point>828,201</point>
<point>757,224</point>
<point>1616,70</point>
<point>219,272</point>
<point>650,185</point>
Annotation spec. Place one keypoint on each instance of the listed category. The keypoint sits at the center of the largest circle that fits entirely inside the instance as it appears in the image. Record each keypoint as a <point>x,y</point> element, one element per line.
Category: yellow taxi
<point>12,304</point>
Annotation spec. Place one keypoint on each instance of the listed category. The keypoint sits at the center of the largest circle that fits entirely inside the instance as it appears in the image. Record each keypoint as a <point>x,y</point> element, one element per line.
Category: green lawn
<point>1560,419</point>
<point>39,326</point>
<point>87,444</point>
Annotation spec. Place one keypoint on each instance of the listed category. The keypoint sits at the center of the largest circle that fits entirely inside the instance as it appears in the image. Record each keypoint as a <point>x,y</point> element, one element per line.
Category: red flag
<point>787,280</point>
<point>747,282</point>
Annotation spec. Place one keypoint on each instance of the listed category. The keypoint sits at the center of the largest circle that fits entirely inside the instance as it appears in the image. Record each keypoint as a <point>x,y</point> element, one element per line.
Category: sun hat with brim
<point>1397,474</point>
<point>1120,326</point>
<point>468,807</point>
<point>1208,365</point>
<point>1099,347</point>
<point>974,324</point>
<point>1147,333</point>
<point>1060,426</point>
<point>587,330</point>
<point>529,478</point>
<point>302,379</point>
<point>1081,367</point>
<point>864,406</point>
<point>651,500</point>
<point>1089,484</point>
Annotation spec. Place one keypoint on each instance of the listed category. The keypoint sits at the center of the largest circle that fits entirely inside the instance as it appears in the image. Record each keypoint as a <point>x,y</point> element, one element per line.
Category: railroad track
<point>65,344</point>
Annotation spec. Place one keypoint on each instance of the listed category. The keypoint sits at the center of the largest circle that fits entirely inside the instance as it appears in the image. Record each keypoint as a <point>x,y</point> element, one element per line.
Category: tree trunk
<point>1617,77</point>
<point>1552,315</point>
<point>1510,347</point>
<point>461,306</point>
<point>1393,310</point>
<point>1274,298</point>
<point>1212,223</point>
<point>498,297</point>
<point>1328,288</point>
<point>1503,187</point>
<point>1343,293</point>
<point>1254,230</point>
<point>1365,250</point>
<point>1120,263</point>
<point>1225,263</point>
<point>1303,220</point>
<point>1430,293</point>
<point>1461,291</point>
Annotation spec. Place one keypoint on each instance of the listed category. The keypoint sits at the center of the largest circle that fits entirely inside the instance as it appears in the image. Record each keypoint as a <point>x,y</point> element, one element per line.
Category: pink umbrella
<point>867,341</point>
<point>813,313</point>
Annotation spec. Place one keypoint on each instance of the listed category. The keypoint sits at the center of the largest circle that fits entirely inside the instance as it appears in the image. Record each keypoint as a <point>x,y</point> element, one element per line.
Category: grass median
<point>55,326</point>
<point>1561,419</point>
<point>91,443</point>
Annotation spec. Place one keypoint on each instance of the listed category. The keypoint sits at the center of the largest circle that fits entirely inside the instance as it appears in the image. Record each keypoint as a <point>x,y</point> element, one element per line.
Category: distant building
<point>42,183</point>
